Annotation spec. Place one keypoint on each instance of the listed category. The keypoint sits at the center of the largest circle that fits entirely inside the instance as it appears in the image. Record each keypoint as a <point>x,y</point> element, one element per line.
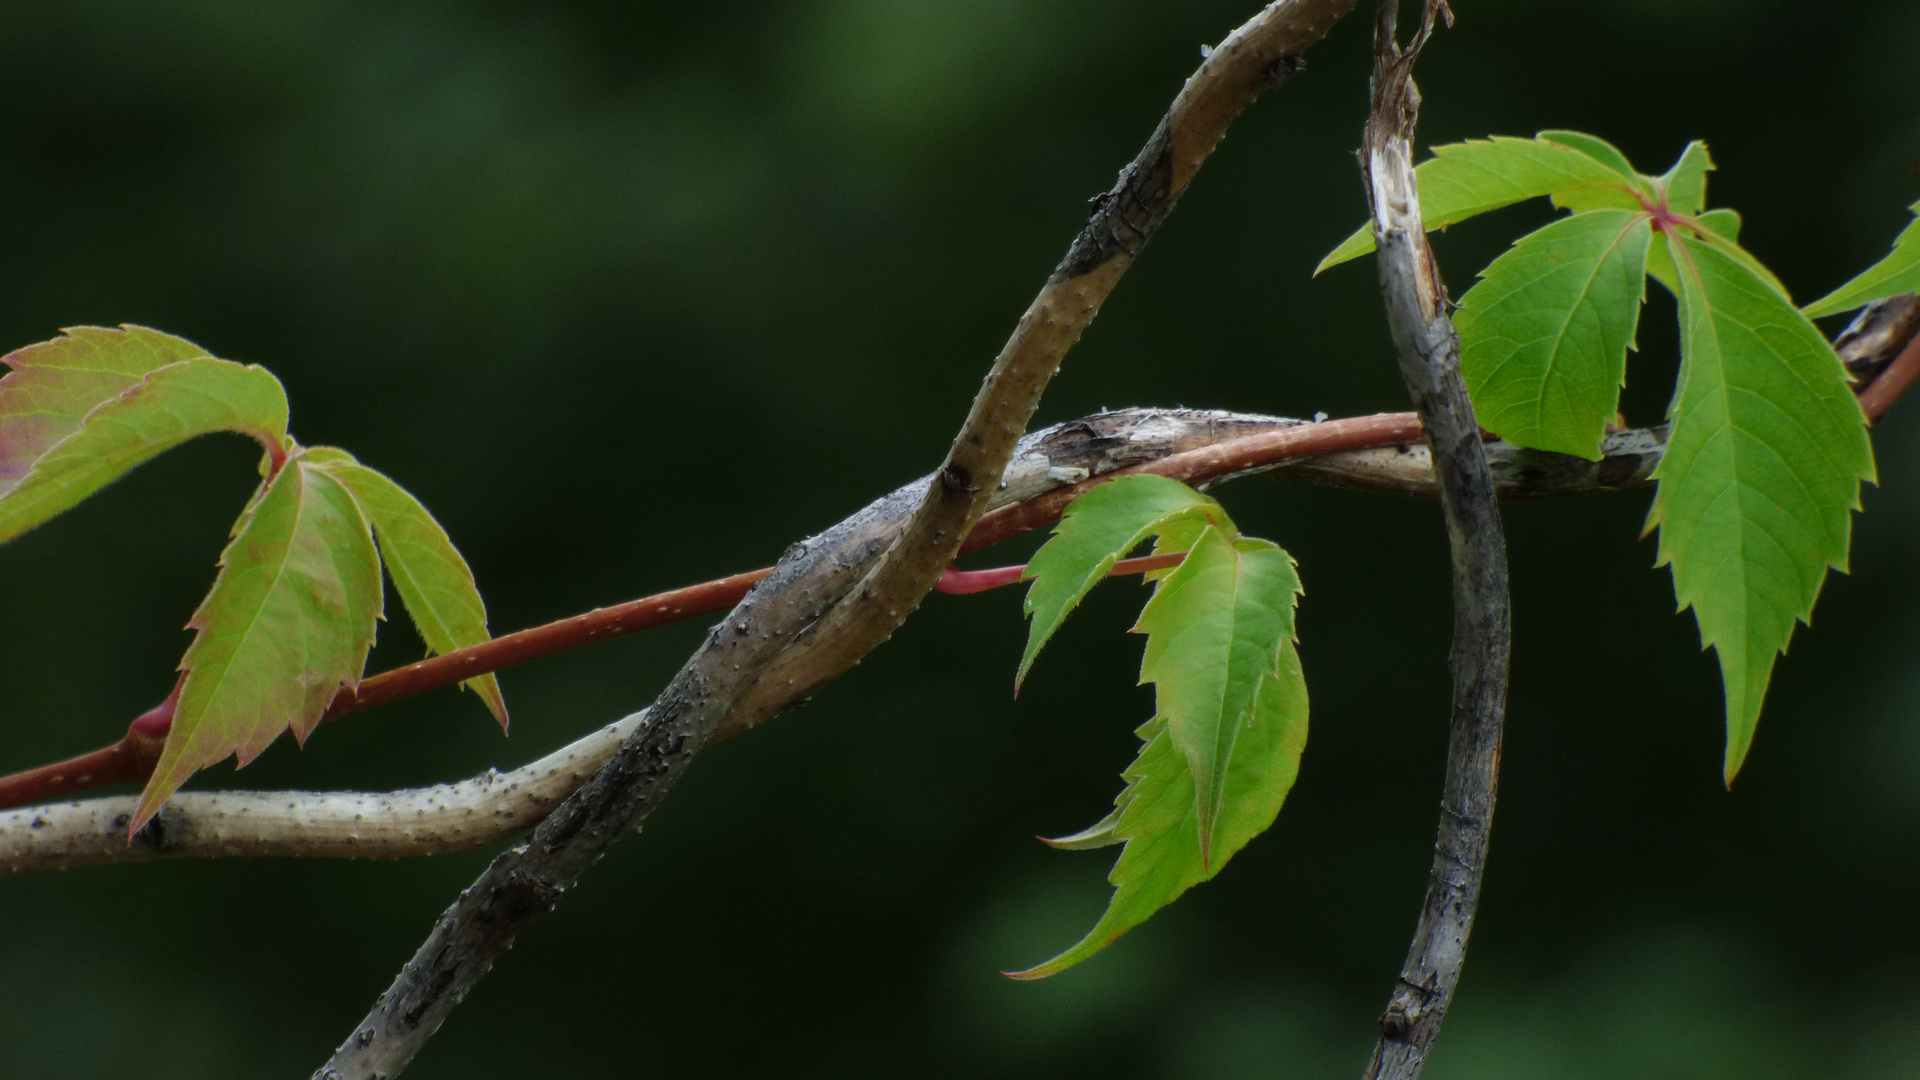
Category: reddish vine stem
<point>131,760</point>
<point>1880,394</point>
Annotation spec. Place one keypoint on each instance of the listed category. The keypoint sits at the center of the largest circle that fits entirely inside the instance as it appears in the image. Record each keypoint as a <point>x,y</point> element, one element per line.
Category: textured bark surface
<point>830,600</point>
<point>1429,354</point>
<point>1877,349</point>
<point>1048,470</point>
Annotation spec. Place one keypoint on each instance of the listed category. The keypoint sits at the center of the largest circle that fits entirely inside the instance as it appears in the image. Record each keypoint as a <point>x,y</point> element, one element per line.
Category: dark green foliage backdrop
<point>634,295</point>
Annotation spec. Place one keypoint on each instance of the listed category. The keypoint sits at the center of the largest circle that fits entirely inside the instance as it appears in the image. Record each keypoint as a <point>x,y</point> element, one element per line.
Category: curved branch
<point>1878,349</point>
<point>836,597</point>
<point>1201,447</point>
<point>309,824</point>
<point>1416,302</point>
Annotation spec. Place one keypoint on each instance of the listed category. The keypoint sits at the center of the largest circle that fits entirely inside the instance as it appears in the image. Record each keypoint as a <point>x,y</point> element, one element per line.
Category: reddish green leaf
<point>435,583</point>
<point>171,405</point>
<point>54,384</point>
<point>289,621</point>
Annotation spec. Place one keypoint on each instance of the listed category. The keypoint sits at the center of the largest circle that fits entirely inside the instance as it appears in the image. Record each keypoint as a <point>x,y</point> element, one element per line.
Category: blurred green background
<point>634,295</point>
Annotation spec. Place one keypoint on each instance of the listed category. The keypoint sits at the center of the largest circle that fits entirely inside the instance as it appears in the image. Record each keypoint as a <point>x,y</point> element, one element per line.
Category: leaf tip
<point>1738,743</point>
<point>487,688</point>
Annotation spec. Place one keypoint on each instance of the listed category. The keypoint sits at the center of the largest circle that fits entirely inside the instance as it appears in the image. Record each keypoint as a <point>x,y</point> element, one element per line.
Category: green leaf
<point>1721,228</point>
<point>1596,148</point>
<point>1097,529</point>
<point>1466,179</point>
<point>1722,222</point>
<point>1102,833</point>
<point>1544,334</point>
<point>289,621</point>
<point>1213,628</point>
<point>1685,184</point>
<point>54,384</point>
<point>1721,243</point>
<point>435,583</point>
<point>1898,273</point>
<point>169,406</point>
<point>1763,464</point>
<point>1157,815</point>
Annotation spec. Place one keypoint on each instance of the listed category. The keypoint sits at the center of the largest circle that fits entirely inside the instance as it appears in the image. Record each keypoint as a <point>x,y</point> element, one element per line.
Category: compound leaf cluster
<point>293,608</point>
<point>1224,744</point>
<point>1767,445</point>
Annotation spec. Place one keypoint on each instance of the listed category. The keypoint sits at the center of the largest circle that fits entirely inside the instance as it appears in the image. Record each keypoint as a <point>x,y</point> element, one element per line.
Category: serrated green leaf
<point>1898,272</point>
<point>1213,628</point>
<point>1102,833</point>
<point>1638,193</point>
<point>1685,184</point>
<point>1177,536</point>
<point>1466,179</point>
<point>54,384</point>
<point>1725,246</point>
<point>435,583</point>
<point>289,621</point>
<point>170,405</point>
<point>1544,334</point>
<point>1158,817</point>
<point>1723,222</point>
<point>1763,465</point>
<point>1097,529</point>
<point>1660,263</point>
<point>1721,228</point>
<point>1596,148</point>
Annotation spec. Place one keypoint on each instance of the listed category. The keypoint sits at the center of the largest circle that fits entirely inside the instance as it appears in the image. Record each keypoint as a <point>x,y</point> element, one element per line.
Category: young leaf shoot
<point>288,623</point>
<point>434,582</point>
<point>1224,745</point>
<point>1767,444</point>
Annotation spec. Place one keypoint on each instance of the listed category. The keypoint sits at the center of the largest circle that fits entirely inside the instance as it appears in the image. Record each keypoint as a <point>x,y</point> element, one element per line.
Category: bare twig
<point>1416,302</point>
<point>834,598</point>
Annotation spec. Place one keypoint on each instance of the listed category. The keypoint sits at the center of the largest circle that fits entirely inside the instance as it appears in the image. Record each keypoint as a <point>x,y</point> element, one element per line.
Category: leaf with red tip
<point>435,583</point>
<point>289,621</point>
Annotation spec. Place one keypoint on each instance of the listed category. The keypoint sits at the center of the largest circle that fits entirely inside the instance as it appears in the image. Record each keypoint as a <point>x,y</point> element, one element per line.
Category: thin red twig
<point>133,757</point>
